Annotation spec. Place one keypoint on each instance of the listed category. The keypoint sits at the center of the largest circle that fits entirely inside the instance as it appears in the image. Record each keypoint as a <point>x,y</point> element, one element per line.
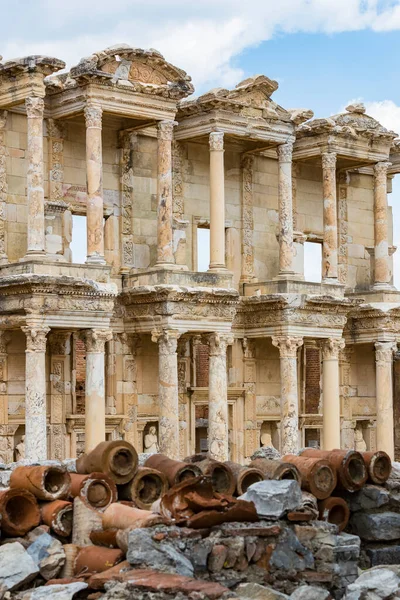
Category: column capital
<point>247,161</point>
<point>3,118</point>
<point>218,343</point>
<point>248,348</point>
<point>165,130</point>
<point>216,141</point>
<point>328,160</point>
<point>5,337</point>
<point>95,339</point>
<point>34,107</point>
<point>130,342</point>
<point>288,345</point>
<point>285,152</point>
<point>167,340</point>
<point>93,114</point>
<point>331,348</point>
<point>380,168</point>
<point>384,351</point>
<point>55,128</point>
<point>35,338</point>
<point>346,353</point>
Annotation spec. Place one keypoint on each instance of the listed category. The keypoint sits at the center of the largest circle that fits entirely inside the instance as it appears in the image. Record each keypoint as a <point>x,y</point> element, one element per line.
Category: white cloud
<point>386,112</point>
<point>204,37</point>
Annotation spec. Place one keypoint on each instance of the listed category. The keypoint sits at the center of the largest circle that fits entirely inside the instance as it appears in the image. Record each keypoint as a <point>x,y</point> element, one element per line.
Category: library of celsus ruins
<point>141,341</point>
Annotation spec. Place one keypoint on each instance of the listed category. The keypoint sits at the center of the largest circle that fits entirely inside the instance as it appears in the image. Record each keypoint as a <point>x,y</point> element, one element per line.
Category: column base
<point>382,287</point>
<point>216,268</point>
<point>33,254</point>
<point>170,267</point>
<point>330,280</point>
<point>95,260</point>
<point>289,275</point>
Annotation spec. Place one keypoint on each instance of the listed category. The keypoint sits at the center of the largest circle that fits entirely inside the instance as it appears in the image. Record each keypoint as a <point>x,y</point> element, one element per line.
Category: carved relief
<point>129,146</point>
<point>247,218</point>
<point>331,348</point>
<point>34,107</point>
<point>216,141</point>
<point>56,132</point>
<point>177,180</point>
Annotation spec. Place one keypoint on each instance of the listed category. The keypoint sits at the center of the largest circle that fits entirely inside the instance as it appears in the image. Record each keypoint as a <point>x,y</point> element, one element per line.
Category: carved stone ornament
<point>218,343</point>
<point>95,339</point>
<point>5,337</point>
<point>59,343</point>
<point>329,160</point>
<point>34,107</point>
<point>332,347</point>
<point>165,130</point>
<point>93,114</point>
<point>216,141</point>
<point>36,338</point>
<point>55,129</point>
<point>380,169</point>
<point>3,118</point>
<point>384,351</point>
<point>285,152</point>
<point>248,348</point>
<point>287,345</point>
<point>167,340</point>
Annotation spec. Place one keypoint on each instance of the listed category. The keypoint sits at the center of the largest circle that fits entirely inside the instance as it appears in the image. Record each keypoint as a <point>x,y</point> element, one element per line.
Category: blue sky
<point>324,53</point>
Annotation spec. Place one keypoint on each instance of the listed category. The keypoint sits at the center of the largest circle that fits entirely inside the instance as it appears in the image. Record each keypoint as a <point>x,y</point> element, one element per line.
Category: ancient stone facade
<point>139,342</point>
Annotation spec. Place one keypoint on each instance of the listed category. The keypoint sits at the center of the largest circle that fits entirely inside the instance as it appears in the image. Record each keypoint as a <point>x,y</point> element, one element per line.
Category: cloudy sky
<point>324,53</point>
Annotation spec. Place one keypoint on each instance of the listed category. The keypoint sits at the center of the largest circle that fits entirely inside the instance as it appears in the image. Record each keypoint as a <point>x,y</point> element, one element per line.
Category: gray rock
<point>55,592</point>
<point>142,458</point>
<point>48,553</point>
<point>254,591</point>
<point>370,497</point>
<point>310,592</point>
<point>16,567</point>
<point>389,555</point>
<point>266,452</point>
<point>290,554</point>
<point>381,582</point>
<point>273,498</point>
<point>5,478</point>
<point>70,464</point>
<point>376,527</point>
<point>143,550</point>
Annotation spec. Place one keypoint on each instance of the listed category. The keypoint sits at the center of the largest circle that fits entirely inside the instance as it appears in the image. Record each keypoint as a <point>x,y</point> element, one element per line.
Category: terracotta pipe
<point>244,476</point>
<point>349,464</point>
<point>71,552</point>
<point>94,559</point>
<point>107,538</point>
<point>174,470</point>
<point>46,483</point>
<point>117,459</point>
<point>58,515</point>
<point>120,516</point>
<point>96,490</point>
<point>85,521</point>
<point>147,486</point>
<point>276,469</point>
<point>222,478</point>
<point>334,510</point>
<point>317,475</point>
<point>379,466</point>
<point>19,512</point>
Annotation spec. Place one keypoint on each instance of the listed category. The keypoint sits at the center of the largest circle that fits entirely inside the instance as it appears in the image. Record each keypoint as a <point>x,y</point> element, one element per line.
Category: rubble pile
<point>110,525</point>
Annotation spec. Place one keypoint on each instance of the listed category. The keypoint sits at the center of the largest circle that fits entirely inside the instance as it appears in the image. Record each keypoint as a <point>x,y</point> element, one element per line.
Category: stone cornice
<point>47,284</point>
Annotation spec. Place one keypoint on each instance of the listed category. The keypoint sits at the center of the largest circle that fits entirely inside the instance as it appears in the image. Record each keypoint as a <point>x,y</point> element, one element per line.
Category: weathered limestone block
<point>376,527</point>
<point>380,583</point>
<point>255,591</point>
<point>274,498</point>
<point>16,567</point>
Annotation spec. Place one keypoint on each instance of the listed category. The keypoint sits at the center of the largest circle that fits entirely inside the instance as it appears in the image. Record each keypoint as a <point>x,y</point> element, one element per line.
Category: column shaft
<point>35,393</point>
<point>95,395</point>
<point>382,268</point>
<point>288,347</point>
<point>286,250</point>
<point>247,272</point>
<point>218,397</point>
<point>217,201</point>
<point>331,393</point>
<point>330,242</point>
<point>165,253</point>
<point>94,174</point>
<point>384,397</point>
<point>35,192</point>
<point>168,391</point>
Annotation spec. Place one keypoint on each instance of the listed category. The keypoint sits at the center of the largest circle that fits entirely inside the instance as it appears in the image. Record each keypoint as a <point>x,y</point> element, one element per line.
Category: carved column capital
<point>247,161</point>
<point>384,351</point>
<point>130,343</point>
<point>380,168</point>
<point>165,130</point>
<point>167,340</point>
<point>218,343</point>
<point>328,160</point>
<point>288,345</point>
<point>285,152</point>
<point>331,348</point>
<point>34,107</point>
<point>95,339</point>
<point>36,338</point>
<point>93,114</point>
<point>216,141</point>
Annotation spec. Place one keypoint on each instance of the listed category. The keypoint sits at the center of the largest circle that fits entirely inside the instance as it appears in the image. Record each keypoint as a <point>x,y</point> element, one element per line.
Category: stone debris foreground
<point>140,342</point>
<point>68,534</point>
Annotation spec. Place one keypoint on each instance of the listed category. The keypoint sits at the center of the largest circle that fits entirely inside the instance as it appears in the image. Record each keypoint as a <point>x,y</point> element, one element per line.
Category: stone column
<point>35,192</point>
<point>95,395</point>
<point>384,397</point>
<point>247,274</point>
<point>94,175</point>
<point>130,345</point>
<point>218,397</point>
<point>251,431</point>
<point>165,253</point>
<point>3,188</point>
<point>286,250</point>
<point>217,201</point>
<point>330,243</point>
<point>288,347</point>
<point>347,423</point>
<point>60,389</point>
<point>330,393</point>
<point>168,391</point>
<point>382,265</point>
<point>35,393</point>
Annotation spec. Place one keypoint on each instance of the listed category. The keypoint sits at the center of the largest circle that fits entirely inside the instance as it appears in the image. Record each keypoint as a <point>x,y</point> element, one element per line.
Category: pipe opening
<point>323,479</point>
<point>356,470</point>
<point>122,462</point>
<point>55,481</point>
<point>337,515</point>
<point>98,494</point>
<point>20,512</point>
<point>149,489</point>
<point>65,520</point>
<point>288,474</point>
<point>220,479</point>
<point>249,479</point>
<point>381,468</point>
<point>187,473</point>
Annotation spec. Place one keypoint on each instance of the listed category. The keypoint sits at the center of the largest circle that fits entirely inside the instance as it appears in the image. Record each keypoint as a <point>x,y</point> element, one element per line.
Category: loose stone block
<point>273,498</point>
